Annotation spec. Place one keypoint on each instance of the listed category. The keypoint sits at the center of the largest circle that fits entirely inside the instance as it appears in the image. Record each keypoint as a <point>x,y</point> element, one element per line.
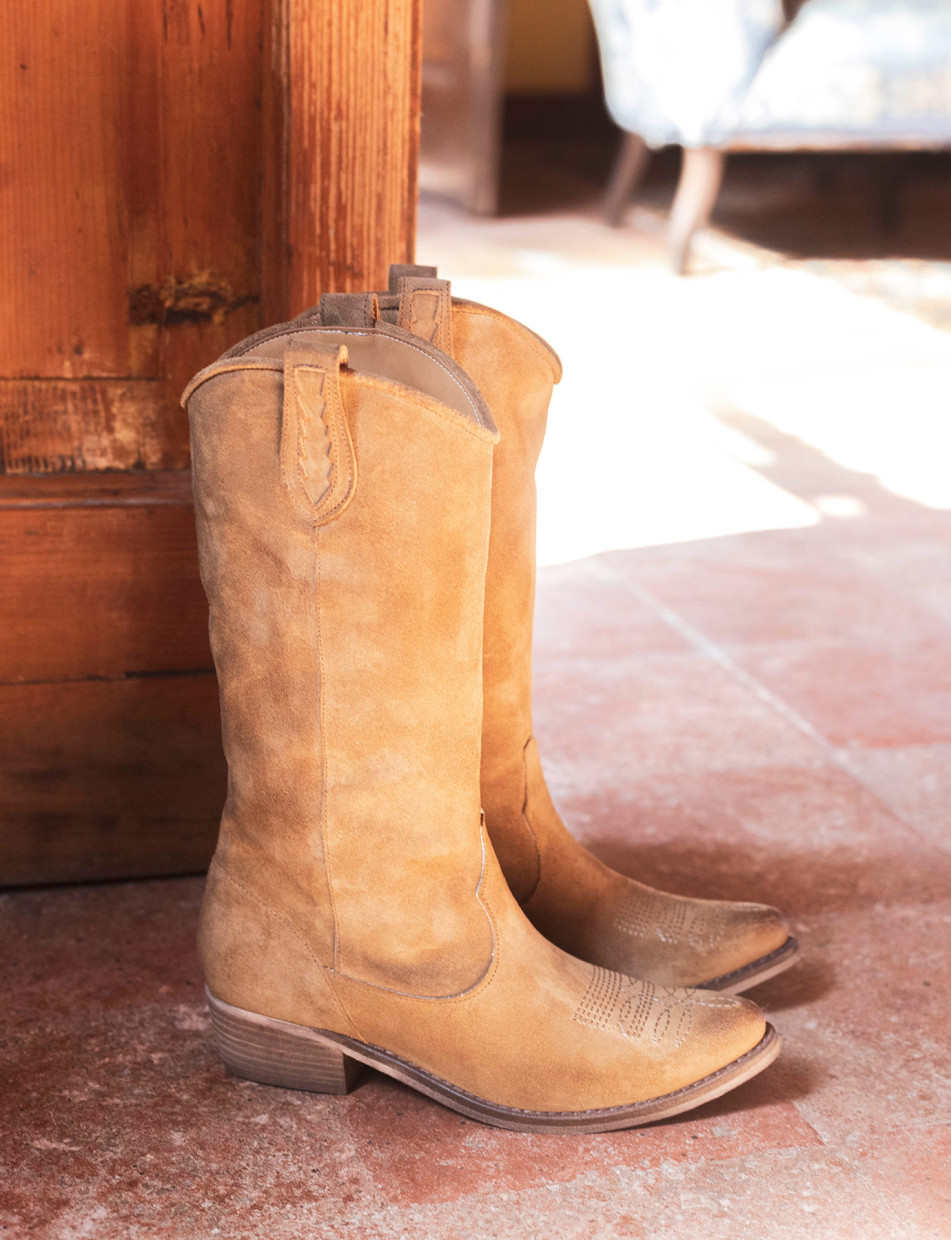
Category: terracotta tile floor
<point>743,689</point>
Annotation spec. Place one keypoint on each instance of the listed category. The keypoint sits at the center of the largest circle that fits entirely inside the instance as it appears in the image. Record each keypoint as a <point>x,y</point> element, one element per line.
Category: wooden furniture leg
<point>701,175</point>
<point>625,178</point>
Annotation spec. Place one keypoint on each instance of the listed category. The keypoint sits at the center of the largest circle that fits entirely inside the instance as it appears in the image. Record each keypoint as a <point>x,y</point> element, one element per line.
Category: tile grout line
<point>840,758</point>
<point>703,645</point>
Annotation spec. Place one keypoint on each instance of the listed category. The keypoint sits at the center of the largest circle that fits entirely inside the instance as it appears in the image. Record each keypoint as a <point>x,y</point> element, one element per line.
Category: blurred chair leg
<point>625,178</point>
<point>700,177</point>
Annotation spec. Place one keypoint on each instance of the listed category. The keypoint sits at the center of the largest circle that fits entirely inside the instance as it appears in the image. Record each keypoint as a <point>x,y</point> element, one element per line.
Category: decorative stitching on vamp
<point>647,914</point>
<point>640,1011</point>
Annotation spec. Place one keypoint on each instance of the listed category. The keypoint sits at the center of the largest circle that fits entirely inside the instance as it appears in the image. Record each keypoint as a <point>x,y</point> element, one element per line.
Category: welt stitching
<point>321,698</point>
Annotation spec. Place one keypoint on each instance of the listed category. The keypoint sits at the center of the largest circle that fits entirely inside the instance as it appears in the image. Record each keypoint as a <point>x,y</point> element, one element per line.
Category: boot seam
<point>481,983</point>
<point>225,873</point>
<point>528,824</point>
<point>321,702</point>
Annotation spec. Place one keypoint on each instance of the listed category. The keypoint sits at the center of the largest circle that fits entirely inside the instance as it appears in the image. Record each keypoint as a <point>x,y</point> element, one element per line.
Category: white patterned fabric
<point>733,73</point>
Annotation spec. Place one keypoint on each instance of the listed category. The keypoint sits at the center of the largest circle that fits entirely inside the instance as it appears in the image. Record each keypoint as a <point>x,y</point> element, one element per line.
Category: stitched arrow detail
<point>317,460</point>
<point>315,455</point>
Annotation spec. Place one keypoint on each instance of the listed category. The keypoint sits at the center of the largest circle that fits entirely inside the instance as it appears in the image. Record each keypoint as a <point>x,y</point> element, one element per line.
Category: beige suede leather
<point>572,898</point>
<point>343,524</point>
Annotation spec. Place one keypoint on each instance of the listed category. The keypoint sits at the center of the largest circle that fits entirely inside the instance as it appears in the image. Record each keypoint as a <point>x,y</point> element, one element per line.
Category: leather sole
<point>276,1052</point>
<point>756,971</point>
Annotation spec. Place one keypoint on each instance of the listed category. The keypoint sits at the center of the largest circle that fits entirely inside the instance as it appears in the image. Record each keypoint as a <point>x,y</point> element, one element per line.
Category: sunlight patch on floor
<point>650,437</point>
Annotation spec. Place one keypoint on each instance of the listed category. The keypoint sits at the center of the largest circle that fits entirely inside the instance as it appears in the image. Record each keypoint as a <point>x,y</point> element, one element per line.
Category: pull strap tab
<point>349,309</point>
<point>317,460</point>
<point>401,271</point>
<point>426,310</point>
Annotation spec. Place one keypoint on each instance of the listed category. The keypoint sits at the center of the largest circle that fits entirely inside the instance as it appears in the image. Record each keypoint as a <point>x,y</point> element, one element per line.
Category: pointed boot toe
<point>672,940</point>
<point>753,944</point>
<point>678,941</point>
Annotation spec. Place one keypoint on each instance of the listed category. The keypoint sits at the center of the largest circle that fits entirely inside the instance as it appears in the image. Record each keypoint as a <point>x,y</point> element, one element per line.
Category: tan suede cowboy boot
<point>580,904</point>
<point>355,911</point>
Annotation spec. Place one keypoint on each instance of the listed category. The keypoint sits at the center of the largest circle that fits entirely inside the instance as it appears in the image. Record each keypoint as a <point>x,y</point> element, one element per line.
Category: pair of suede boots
<point>392,884</point>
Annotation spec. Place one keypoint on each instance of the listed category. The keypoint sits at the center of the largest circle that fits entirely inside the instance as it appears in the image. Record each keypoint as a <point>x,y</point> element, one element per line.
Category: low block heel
<point>275,1052</point>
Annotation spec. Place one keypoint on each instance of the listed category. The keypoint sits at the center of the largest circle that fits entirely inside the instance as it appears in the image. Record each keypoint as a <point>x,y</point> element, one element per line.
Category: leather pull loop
<point>426,310</point>
<point>349,309</point>
<point>400,271</point>
<point>317,460</point>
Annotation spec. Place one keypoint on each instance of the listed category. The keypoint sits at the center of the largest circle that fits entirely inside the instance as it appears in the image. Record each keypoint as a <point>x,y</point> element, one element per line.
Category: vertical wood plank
<point>341,140</point>
<point>63,244</point>
<point>209,157</point>
<point>129,218</point>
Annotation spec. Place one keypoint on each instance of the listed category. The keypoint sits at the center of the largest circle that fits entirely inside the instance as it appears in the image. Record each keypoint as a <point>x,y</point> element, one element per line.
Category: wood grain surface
<point>341,115</point>
<point>129,220</point>
<point>109,779</point>
<point>100,586</point>
<point>163,161</point>
<point>57,425</point>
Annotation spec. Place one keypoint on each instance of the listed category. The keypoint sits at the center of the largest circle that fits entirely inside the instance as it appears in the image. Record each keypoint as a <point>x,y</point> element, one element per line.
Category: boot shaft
<point>343,528</point>
<point>516,371</point>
